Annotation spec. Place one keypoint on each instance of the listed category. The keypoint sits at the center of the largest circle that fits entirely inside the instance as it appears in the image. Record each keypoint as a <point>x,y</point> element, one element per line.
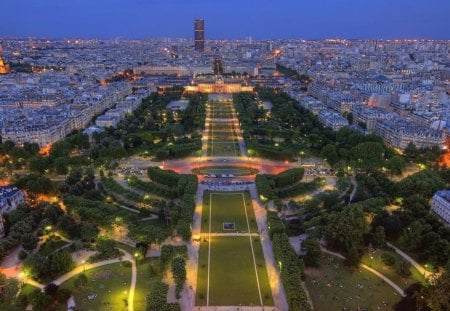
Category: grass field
<point>148,272</point>
<point>232,277</point>
<point>227,207</point>
<point>223,140</point>
<point>374,260</point>
<point>231,269</point>
<point>109,283</point>
<point>335,287</point>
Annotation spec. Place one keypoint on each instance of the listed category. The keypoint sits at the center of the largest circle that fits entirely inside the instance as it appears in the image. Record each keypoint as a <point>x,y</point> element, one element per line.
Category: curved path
<point>419,268</point>
<point>81,268</point>
<point>378,274</point>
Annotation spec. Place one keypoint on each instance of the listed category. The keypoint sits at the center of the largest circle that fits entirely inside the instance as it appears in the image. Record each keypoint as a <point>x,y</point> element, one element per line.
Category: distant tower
<point>199,35</point>
<point>218,66</point>
<point>4,68</point>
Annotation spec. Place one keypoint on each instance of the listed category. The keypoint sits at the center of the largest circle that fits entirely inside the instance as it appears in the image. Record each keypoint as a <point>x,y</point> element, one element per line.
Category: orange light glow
<point>45,150</point>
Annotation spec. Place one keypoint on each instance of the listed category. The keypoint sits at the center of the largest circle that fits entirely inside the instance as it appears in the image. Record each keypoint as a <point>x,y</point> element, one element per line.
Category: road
<point>186,165</point>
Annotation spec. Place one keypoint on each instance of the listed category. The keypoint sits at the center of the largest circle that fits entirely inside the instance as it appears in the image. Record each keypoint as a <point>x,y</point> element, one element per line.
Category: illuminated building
<point>218,86</point>
<point>199,35</point>
<point>440,205</point>
<point>4,68</point>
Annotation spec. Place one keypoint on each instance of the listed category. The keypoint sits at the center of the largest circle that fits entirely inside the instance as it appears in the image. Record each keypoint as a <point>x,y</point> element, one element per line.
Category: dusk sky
<point>227,19</point>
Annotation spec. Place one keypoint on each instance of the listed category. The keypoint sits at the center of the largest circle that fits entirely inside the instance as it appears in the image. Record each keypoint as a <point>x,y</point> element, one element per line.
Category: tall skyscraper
<point>199,35</point>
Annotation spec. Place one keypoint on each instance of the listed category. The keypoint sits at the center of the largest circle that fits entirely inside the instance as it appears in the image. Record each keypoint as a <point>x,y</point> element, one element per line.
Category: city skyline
<point>231,20</point>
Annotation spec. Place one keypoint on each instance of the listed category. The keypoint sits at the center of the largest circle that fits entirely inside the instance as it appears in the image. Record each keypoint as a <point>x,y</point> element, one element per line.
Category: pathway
<point>419,267</point>
<point>378,274</point>
<point>355,187</point>
<point>228,234</point>
<point>278,293</point>
<point>81,268</point>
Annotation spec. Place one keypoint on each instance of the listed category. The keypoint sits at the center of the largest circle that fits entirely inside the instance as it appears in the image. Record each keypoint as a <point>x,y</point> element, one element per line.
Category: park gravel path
<point>81,268</point>
<point>419,268</point>
<point>378,274</point>
<point>276,285</point>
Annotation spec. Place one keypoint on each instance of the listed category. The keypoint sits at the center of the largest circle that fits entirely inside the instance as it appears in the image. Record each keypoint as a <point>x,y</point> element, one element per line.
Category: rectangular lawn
<point>227,207</point>
<point>232,277</point>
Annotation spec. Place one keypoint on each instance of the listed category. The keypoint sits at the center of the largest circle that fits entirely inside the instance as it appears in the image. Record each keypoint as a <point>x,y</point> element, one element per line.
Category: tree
<point>379,237</point>
<point>38,164</point>
<point>29,242</point>
<point>329,153</point>
<point>60,165</point>
<point>178,267</point>
<point>353,257</point>
<point>367,155</point>
<point>10,289</point>
<point>411,152</point>
<point>346,229</point>
<point>51,289</point>
<point>88,231</point>
<point>313,253</point>
<point>404,268</point>
<point>396,165</point>
<point>39,300</point>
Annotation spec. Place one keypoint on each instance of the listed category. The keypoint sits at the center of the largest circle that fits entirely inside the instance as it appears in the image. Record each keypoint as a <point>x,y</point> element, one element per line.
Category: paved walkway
<point>278,293</point>
<point>229,234</point>
<point>378,274</point>
<point>355,187</point>
<point>419,268</point>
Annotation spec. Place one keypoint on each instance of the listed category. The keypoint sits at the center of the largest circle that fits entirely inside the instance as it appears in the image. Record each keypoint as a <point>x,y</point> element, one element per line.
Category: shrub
<point>388,259</point>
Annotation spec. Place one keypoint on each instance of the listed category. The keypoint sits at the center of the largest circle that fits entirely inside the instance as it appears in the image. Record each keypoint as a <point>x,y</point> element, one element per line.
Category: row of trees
<point>285,184</point>
<point>289,264</point>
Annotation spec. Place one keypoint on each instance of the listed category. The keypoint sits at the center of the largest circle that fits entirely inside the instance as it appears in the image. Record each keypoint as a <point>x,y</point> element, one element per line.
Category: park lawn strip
<point>374,261</point>
<point>263,276</point>
<point>227,207</point>
<point>147,274</point>
<point>202,274</point>
<point>333,286</point>
<point>232,279</point>
<point>111,284</point>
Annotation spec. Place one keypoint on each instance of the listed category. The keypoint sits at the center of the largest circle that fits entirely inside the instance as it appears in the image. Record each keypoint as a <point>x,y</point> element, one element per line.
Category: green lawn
<point>334,287</point>
<point>147,273</point>
<point>374,260</point>
<point>110,283</point>
<point>232,273</point>
<point>227,207</point>
<point>223,140</point>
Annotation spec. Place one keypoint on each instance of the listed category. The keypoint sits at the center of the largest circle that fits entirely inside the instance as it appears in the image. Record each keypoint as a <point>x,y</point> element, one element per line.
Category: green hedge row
<point>299,188</point>
<point>110,184</point>
<point>151,187</point>
<point>289,263</point>
<point>157,300</point>
<point>168,178</point>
